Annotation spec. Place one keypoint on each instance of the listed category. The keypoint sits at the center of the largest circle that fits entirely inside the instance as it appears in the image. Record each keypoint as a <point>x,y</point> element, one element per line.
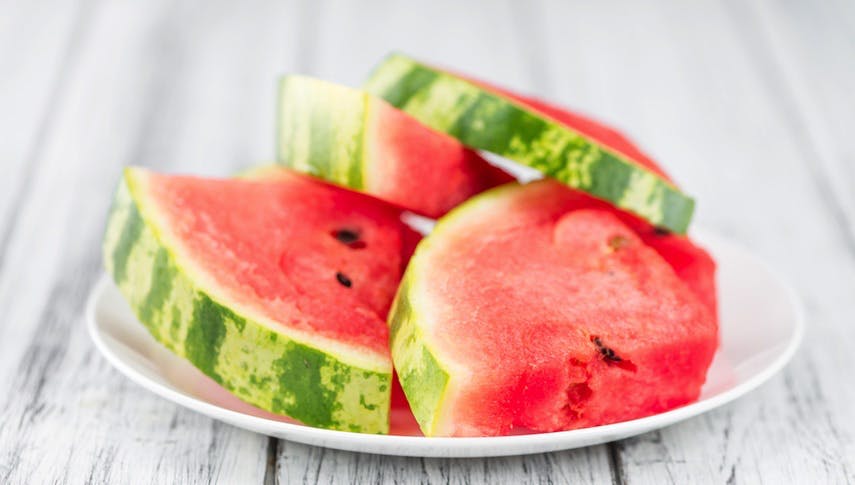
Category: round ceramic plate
<point>761,327</point>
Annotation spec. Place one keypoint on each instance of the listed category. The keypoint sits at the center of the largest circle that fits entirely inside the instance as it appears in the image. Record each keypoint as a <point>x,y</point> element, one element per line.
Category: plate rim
<point>485,446</point>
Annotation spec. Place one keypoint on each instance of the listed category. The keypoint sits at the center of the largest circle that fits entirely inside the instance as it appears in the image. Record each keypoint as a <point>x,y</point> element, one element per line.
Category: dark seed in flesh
<point>349,238</point>
<point>343,279</point>
<point>346,236</point>
<point>606,352</point>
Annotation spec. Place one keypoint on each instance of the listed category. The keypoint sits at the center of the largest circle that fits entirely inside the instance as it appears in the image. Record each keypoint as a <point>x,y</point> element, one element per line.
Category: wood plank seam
<point>48,346</point>
<point>615,463</point>
<point>271,472</point>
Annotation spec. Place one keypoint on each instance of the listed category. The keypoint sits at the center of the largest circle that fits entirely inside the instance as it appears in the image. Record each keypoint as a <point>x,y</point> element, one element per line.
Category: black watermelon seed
<point>349,238</point>
<point>661,231</point>
<point>346,236</point>
<point>611,357</point>
<point>343,279</point>
<point>606,352</point>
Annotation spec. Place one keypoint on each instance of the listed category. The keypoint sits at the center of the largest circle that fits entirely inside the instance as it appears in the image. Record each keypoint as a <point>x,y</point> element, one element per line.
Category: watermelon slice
<point>691,262</point>
<point>523,312</point>
<point>359,141</point>
<point>488,120</point>
<point>583,124</point>
<point>276,287</point>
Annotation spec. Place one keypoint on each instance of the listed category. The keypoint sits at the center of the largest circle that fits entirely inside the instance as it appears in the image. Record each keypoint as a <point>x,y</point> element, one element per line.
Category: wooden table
<point>749,104</point>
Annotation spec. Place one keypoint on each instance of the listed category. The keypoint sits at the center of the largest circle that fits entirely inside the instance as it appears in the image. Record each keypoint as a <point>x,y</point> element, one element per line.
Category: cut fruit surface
<point>276,287</point>
<point>485,119</point>
<point>522,310</point>
<point>354,139</point>
<point>691,262</point>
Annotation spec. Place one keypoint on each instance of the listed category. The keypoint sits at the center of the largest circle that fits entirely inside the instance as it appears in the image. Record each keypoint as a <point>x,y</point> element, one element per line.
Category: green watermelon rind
<point>322,128</point>
<point>264,367</point>
<point>422,378</point>
<point>426,375</point>
<point>488,121</point>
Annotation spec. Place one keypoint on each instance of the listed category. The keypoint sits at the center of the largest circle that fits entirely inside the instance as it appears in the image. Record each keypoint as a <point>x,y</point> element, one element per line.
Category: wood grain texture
<point>38,47</point>
<point>748,104</point>
<point>299,463</point>
<point>147,87</point>
<point>809,51</point>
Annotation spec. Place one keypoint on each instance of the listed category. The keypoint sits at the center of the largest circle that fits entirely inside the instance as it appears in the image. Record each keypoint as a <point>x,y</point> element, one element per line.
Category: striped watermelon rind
<point>322,129</point>
<point>487,121</point>
<point>308,381</point>
<point>422,378</point>
<point>425,380</point>
<point>431,377</point>
<point>354,139</point>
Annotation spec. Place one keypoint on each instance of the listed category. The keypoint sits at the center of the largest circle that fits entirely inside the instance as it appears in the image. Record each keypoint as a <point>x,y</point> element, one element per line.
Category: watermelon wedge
<point>691,262</point>
<point>353,139</point>
<point>276,287</point>
<point>522,311</point>
<point>485,119</point>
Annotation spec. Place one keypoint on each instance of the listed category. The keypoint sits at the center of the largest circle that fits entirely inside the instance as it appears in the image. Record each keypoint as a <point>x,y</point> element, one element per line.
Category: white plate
<point>761,327</point>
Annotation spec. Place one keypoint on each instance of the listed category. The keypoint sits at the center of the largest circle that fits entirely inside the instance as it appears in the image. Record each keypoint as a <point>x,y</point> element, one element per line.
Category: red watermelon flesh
<point>318,259</point>
<point>691,262</point>
<point>359,141</point>
<point>402,422</point>
<point>411,162</point>
<point>549,317</point>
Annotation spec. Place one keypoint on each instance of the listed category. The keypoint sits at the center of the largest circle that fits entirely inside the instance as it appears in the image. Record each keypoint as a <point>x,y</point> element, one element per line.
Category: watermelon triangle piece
<point>276,287</point>
<point>488,120</point>
<point>357,140</point>
<point>692,263</point>
<point>521,311</point>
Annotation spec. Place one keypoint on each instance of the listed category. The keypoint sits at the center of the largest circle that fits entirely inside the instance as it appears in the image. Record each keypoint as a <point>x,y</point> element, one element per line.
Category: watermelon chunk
<point>487,120</point>
<point>359,141</point>
<point>276,287</point>
<point>691,262</point>
<point>522,311</point>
